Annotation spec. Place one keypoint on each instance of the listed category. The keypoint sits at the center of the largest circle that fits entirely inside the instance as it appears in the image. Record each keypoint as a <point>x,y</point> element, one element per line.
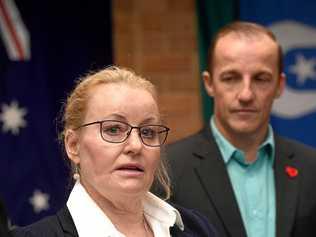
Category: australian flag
<point>44,47</point>
<point>294,24</point>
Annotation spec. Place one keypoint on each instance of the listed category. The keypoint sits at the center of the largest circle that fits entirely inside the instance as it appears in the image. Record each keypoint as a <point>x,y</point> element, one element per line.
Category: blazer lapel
<point>67,223</point>
<point>286,185</point>
<point>215,180</point>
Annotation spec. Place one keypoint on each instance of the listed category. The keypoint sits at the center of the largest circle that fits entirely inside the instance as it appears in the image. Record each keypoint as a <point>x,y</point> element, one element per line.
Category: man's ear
<point>72,145</point>
<point>281,85</point>
<point>208,83</point>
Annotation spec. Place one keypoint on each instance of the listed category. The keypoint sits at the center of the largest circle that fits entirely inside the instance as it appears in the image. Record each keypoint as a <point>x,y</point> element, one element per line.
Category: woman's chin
<point>132,188</point>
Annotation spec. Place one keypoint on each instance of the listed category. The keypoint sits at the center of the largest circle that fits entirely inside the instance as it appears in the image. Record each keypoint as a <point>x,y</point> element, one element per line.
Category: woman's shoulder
<point>48,226</point>
<point>57,225</point>
<point>195,224</point>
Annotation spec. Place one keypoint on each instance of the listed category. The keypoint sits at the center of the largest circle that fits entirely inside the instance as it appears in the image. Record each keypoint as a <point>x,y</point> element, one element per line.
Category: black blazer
<point>62,225</point>
<point>4,232</point>
<point>200,181</point>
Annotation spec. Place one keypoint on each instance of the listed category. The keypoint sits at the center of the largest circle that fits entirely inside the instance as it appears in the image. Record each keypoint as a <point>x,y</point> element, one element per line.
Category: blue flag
<point>44,47</point>
<point>294,24</point>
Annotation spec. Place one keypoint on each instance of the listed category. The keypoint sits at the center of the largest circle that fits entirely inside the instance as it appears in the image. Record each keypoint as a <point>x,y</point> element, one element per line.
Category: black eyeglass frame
<point>100,122</point>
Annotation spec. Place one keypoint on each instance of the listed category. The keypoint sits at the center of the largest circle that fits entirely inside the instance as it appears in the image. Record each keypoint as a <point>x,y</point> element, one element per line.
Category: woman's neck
<point>129,221</point>
<point>126,213</point>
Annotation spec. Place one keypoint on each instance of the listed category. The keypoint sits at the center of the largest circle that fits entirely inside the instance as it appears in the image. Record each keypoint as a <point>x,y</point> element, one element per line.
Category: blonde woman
<point>113,135</point>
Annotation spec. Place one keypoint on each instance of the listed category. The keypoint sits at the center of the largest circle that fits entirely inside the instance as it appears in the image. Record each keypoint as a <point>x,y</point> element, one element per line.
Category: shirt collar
<point>163,212</point>
<point>90,220</point>
<point>228,150</point>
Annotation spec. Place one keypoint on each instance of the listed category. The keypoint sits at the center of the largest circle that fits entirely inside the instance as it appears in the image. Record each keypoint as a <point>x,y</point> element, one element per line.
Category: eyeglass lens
<point>116,132</point>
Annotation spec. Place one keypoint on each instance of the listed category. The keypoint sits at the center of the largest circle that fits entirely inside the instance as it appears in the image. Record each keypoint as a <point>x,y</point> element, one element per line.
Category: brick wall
<point>157,39</point>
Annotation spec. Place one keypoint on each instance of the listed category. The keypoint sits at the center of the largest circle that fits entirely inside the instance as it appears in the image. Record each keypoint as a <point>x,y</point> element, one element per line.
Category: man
<point>246,179</point>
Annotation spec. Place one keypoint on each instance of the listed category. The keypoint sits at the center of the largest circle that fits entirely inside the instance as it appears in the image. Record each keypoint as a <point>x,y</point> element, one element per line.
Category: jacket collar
<point>219,190</point>
<point>66,222</point>
<point>286,186</point>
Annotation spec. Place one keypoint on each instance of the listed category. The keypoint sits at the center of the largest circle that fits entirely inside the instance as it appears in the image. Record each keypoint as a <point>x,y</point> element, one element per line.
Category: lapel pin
<point>291,171</point>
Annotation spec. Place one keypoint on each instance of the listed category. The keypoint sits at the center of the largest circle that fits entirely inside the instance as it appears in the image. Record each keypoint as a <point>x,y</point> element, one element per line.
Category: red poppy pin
<point>291,171</point>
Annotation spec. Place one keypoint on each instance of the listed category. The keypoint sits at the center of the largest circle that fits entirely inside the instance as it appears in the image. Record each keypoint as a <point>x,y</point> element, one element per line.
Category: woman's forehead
<point>120,99</point>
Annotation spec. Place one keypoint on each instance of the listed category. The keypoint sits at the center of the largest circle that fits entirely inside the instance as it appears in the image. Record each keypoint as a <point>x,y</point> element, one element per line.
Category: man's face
<point>244,83</point>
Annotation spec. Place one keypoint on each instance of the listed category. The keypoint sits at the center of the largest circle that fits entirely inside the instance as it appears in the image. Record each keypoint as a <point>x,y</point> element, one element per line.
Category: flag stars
<point>12,117</point>
<point>304,69</point>
<point>39,201</point>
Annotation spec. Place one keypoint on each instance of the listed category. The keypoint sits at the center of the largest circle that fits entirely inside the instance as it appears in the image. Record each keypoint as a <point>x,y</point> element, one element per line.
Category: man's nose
<point>246,92</point>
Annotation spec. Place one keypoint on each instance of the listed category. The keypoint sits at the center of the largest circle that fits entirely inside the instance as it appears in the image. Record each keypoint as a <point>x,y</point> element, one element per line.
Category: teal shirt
<point>253,183</point>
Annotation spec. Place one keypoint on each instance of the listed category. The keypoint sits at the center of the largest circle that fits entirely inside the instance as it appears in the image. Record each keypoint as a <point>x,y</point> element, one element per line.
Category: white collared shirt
<point>90,220</point>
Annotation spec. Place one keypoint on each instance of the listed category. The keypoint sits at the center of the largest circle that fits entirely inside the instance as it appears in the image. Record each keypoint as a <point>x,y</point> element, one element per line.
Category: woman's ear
<point>72,145</point>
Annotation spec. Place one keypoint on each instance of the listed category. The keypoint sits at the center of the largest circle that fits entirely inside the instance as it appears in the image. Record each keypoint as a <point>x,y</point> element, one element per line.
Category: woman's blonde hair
<point>75,108</point>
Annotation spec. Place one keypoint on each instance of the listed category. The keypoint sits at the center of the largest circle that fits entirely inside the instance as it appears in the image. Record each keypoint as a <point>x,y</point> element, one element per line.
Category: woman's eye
<point>113,130</point>
<point>148,133</point>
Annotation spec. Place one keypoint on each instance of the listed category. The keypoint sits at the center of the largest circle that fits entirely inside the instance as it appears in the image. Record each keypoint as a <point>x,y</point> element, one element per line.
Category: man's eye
<point>262,79</point>
<point>229,78</point>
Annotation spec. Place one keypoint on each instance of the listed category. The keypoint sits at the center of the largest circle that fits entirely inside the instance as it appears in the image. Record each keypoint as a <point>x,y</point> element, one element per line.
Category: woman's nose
<point>134,141</point>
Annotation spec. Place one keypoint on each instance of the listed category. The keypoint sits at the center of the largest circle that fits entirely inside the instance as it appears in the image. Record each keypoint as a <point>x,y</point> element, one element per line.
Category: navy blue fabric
<point>195,224</point>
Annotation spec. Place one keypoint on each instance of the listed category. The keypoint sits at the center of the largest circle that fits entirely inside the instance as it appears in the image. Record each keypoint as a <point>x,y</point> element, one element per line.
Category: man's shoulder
<point>188,152</point>
<point>299,150</point>
<point>294,145</point>
<point>190,141</point>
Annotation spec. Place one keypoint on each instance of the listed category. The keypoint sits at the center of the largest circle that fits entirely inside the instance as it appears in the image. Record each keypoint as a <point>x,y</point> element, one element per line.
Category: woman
<point>113,137</point>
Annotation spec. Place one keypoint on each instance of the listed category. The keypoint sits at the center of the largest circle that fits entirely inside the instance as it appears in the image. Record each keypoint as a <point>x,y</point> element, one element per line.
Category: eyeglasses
<point>114,131</point>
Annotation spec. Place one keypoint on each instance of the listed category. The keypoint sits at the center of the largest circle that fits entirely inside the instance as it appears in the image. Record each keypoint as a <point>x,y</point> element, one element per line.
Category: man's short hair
<point>244,29</point>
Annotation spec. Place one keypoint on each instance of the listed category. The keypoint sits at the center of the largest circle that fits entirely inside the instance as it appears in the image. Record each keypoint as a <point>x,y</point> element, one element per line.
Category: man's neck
<point>248,143</point>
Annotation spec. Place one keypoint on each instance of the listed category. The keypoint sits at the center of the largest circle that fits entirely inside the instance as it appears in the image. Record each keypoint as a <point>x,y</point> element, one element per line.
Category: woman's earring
<point>76,175</point>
